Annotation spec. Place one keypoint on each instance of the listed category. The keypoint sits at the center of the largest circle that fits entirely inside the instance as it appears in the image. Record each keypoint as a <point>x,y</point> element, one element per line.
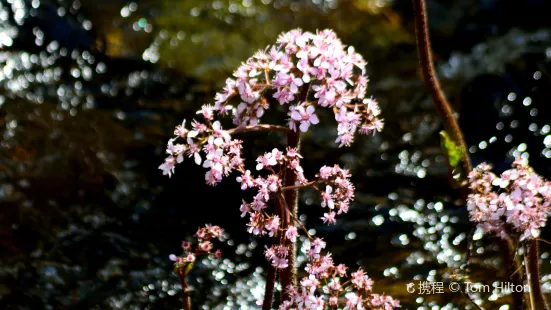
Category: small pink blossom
<point>168,166</point>
<point>291,233</point>
<point>304,116</point>
<point>186,245</point>
<point>327,198</point>
<point>329,218</point>
<point>190,258</point>
<point>265,161</point>
<point>246,180</point>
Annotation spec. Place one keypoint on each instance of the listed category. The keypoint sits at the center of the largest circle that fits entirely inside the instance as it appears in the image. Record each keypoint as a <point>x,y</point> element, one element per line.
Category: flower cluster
<point>204,246</point>
<point>326,286</point>
<point>223,155</point>
<point>304,71</point>
<point>339,191</point>
<point>519,205</point>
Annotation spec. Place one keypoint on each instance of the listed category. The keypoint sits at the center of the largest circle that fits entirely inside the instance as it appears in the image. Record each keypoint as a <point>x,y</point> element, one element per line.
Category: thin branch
<point>294,187</point>
<point>450,123</point>
<point>531,261</point>
<point>186,299</point>
<point>258,128</point>
<point>431,81</point>
<point>282,199</point>
<point>269,288</point>
<point>514,269</point>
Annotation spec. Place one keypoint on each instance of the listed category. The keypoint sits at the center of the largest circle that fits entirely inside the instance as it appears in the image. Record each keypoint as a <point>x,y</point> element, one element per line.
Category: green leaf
<point>452,151</point>
<point>184,267</point>
<point>188,268</point>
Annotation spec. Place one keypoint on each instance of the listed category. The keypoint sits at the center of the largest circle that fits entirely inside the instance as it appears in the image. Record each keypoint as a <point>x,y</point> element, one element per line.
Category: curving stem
<point>431,81</point>
<point>451,125</point>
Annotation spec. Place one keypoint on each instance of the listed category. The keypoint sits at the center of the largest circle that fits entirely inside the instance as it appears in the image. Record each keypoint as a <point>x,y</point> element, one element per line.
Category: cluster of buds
<point>328,285</point>
<point>204,246</point>
<point>517,202</point>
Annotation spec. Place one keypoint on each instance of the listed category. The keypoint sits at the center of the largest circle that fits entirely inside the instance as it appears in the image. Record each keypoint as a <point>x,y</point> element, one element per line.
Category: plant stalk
<point>514,272</point>
<point>288,276</point>
<point>431,81</point>
<point>269,288</point>
<point>186,299</point>
<point>531,262</point>
<point>452,127</point>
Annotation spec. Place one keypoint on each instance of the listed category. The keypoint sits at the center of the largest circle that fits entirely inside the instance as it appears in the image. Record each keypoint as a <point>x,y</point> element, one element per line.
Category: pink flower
<point>176,150</point>
<point>218,254</point>
<point>245,208</point>
<point>521,205</point>
<point>190,258</point>
<point>168,166</point>
<point>246,180</point>
<point>283,96</point>
<point>291,233</point>
<point>273,182</point>
<point>221,136</point>
<point>318,244</point>
<point>280,263</point>
<point>207,112</point>
<point>333,301</point>
<point>292,153</point>
<point>205,246</point>
<point>186,245</point>
<point>304,116</point>
<point>327,199</point>
<point>341,270</point>
<point>272,225</point>
<point>193,150</point>
<point>265,161</point>
<point>329,218</point>
<point>181,130</point>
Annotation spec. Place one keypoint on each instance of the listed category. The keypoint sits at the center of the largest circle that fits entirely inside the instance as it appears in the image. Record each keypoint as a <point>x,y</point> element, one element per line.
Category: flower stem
<point>537,300</point>
<point>514,272</point>
<point>452,126</point>
<point>431,81</point>
<point>288,276</point>
<point>295,187</point>
<point>269,288</point>
<point>186,299</point>
<point>257,128</point>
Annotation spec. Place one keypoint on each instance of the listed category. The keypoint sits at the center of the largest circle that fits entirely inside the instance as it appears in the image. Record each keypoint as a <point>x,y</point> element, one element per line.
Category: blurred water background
<point>90,91</point>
